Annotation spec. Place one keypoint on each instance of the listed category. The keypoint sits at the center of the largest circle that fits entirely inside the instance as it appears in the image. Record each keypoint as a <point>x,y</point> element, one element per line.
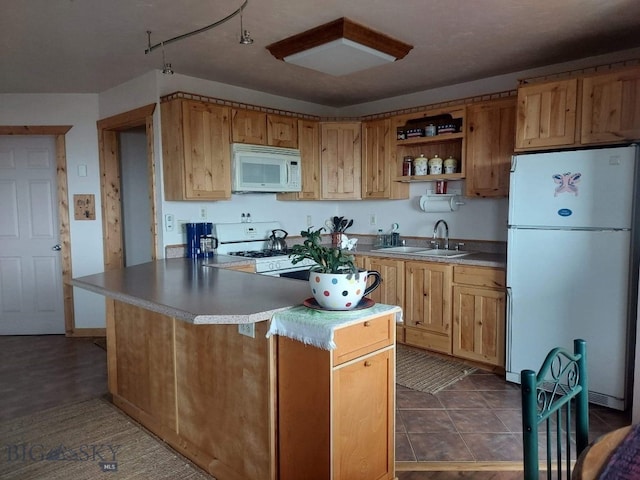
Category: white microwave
<point>257,168</point>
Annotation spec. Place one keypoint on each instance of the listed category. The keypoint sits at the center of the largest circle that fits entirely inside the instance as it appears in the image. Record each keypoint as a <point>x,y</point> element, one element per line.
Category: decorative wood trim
<point>64,228</point>
<point>111,201</point>
<point>459,467</point>
<point>605,68</point>
<point>89,332</point>
<point>151,167</point>
<point>108,129</point>
<point>335,30</point>
<point>232,104</point>
<point>375,116</point>
<point>59,131</point>
<point>35,129</point>
<point>127,120</point>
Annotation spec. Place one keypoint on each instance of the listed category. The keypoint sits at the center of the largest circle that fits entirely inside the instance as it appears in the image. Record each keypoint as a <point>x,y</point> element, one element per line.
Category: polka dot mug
<point>342,291</point>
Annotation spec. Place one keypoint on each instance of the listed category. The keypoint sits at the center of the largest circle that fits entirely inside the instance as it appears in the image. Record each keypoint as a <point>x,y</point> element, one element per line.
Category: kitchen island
<point>240,405</point>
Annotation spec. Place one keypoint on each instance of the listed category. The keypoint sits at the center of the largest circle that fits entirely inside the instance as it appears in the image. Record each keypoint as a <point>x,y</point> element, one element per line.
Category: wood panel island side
<point>241,407</point>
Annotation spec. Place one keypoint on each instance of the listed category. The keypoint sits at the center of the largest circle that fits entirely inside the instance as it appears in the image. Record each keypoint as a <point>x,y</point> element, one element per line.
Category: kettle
<point>277,243</point>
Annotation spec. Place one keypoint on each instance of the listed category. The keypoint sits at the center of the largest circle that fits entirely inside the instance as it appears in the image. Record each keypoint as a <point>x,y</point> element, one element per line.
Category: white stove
<point>251,240</point>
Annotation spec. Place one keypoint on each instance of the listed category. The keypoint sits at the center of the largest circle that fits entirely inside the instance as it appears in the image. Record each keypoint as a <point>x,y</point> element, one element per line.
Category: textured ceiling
<point>89,46</point>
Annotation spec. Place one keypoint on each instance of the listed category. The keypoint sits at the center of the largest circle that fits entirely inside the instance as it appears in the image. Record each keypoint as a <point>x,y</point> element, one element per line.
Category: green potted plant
<point>335,281</point>
<point>328,259</point>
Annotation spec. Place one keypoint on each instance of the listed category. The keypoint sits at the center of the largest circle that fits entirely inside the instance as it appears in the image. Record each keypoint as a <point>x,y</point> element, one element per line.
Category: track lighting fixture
<point>245,36</point>
<point>166,67</point>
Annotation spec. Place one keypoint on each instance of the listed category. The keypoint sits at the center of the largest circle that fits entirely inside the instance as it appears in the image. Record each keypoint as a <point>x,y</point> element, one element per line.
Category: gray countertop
<point>186,289</point>
<point>192,291</point>
<point>481,259</point>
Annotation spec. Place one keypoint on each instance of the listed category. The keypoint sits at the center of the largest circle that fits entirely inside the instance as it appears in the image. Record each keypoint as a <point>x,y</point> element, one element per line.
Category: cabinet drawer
<point>363,337</point>
<point>479,276</point>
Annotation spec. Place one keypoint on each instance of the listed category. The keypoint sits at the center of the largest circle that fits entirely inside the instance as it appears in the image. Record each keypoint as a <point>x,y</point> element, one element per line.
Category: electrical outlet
<point>203,213</point>
<point>169,222</point>
<point>373,219</point>
<point>247,329</point>
<point>309,221</point>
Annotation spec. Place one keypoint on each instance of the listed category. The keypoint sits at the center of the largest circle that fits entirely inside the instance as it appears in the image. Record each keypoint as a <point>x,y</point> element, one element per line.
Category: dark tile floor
<point>475,420</point>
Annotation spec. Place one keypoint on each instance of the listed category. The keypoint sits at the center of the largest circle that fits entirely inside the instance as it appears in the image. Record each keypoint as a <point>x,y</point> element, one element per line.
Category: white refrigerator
<point>570,263</point>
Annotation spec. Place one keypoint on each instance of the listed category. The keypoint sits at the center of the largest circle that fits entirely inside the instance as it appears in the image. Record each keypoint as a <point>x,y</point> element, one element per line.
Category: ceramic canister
<point>435,165</point>
<point>450,165</point>
<point>420,165</point>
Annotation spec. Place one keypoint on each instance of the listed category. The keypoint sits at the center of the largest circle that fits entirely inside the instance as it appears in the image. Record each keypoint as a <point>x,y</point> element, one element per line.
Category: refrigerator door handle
<point>508,330</point>
<point>514,160</point>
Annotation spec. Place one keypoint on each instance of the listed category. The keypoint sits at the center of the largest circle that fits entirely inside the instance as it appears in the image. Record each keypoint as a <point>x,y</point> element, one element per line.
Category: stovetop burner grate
<point>261,253</point>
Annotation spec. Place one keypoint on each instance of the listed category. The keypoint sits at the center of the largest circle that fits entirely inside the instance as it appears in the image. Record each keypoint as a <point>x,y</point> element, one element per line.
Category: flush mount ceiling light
<point>245,37</point>
<point>339,48</point>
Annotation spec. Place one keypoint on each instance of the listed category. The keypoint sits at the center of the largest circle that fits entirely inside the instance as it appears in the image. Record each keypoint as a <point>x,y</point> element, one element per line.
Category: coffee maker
<point>200,242</point>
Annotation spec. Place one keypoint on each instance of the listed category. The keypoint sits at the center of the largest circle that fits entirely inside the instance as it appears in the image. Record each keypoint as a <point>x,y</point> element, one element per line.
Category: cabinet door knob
<point>367,363</point>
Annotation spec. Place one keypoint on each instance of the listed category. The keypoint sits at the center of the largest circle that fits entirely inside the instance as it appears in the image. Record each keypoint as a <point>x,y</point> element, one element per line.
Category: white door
<point>30,266</point>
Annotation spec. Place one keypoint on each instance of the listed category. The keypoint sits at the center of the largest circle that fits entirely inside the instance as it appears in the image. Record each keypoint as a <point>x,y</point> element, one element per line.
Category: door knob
<point>56,248</point>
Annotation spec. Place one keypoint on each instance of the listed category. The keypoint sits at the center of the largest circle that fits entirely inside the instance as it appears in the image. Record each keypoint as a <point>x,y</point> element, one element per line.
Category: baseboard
<point>459,466</point>
<point>87,332</point>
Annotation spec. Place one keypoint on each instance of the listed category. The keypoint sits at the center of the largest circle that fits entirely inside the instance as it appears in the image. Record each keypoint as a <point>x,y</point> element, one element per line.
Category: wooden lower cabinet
<point>259,408</point>
<point>206,390</point>
<point>336,409</point>
<point>391,290</point>
<point>427,314</point>
<point>479,299</point>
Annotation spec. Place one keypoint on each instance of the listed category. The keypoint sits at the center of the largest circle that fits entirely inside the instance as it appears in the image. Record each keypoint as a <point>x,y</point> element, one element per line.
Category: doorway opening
<point>119,142</point>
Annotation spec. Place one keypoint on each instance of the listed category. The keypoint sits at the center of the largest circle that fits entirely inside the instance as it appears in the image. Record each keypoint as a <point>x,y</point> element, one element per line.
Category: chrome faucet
<point>446,234</point>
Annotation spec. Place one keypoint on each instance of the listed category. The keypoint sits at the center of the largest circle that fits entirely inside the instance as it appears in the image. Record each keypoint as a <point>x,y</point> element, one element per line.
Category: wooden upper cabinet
<point>259,128</point>
<point>378,162</point>
<point>546,115</point>
<point>309,145</point>
<point>340,160</point>
<point>248,126</point>
<point>282,131</point>
<point>490,137</point>
<point>611,107</point>
<point>196,154</point>
<point>376,149</point>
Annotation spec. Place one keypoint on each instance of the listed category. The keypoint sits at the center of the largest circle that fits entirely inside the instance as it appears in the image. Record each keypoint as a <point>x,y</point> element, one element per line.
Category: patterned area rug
<point>418,370</point>
<point>87,440</point>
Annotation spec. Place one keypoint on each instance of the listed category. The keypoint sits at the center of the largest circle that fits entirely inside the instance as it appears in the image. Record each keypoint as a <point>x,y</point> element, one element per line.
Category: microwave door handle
<point>288,173</point>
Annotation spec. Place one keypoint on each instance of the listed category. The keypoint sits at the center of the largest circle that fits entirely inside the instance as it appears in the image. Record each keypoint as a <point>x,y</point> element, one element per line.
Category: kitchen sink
<point>433,252</point>
<point>440,252</point>
<point>400,249</point>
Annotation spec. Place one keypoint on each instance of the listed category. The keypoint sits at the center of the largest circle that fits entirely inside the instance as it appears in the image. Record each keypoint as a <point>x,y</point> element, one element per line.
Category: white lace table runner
<point>316,327</point>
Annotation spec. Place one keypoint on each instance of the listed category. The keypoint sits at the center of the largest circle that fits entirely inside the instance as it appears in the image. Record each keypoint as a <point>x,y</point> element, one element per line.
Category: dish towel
<point>316,327</point>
